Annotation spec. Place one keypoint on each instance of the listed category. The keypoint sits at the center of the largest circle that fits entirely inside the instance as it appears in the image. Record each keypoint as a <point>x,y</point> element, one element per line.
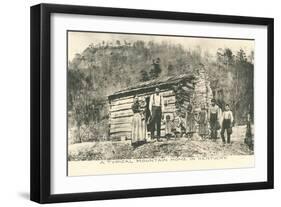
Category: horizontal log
<point>124,120</point>
<point>124,129</point>
<point>121,107</point>
<point>127,126</point>
<point>170,107</point>
<point>127,134</point>
<point>128,105</point>
<point>164,94</point>
<point>121,125</point>
<point>169,112</point>
<point>120,120</point>
<point>185,94</point>
<point>128,112</point>
<point>145,89</point>
<point>127,99</point>
<point>169,98</point>
<point>186,88</point>
<point>128,129</point>
<point>190,85</point>
<point>167,107</point>
<point>120,116</point>
<point>170,104</point>
<point>120,102</point>
<point>128,120</point>
<point>168,93</point>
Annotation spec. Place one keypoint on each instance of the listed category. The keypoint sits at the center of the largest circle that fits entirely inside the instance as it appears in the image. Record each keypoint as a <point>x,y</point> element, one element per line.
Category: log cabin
<point>177,91</point>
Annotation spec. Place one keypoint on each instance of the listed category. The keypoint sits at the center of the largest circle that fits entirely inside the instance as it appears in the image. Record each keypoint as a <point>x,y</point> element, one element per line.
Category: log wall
<point>120,116</point>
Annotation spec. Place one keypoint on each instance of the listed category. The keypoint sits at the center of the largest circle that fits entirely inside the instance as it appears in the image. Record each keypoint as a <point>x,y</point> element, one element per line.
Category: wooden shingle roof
<point>162,83</point>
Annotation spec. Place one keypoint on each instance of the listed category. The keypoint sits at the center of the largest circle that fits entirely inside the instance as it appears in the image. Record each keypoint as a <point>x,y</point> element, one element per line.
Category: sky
<point>79,41</point>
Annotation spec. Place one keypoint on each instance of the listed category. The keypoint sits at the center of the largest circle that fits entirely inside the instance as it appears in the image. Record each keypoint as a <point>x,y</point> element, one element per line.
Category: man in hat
<point>227,122</point>
<point>214,114</point>
<point>156,106</point>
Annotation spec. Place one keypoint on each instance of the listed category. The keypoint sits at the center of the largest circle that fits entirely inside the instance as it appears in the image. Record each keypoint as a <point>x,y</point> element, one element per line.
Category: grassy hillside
<point>180,147</point>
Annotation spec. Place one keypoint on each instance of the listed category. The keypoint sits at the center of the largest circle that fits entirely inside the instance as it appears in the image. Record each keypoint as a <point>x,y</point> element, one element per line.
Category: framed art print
<point>133,103</point>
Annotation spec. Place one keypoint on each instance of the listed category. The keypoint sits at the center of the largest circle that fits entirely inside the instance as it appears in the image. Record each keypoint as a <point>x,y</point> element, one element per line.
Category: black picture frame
<point>41,99</point>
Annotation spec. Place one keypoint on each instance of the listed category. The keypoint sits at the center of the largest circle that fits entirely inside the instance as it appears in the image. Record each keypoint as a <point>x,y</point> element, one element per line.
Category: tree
<point>252,57</point>
<point>118,43</point>
<point>241,56</point>
<point>228,57</point>
<point>170,69</point>
<point>155,69</point>
<point>144,76</point>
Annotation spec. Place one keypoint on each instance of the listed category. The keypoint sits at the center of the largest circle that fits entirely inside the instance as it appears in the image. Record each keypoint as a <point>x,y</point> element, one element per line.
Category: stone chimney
<point>202,90</point>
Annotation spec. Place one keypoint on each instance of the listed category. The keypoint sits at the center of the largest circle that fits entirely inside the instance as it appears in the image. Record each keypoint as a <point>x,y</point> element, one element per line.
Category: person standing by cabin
<point>203,122</point>
<point>179,124</point>
<point>168,127</point>
<point>227,121</point>
<point>214,114</point>
<point>190,121</point>
<point>156,106</point>
<point>249,136</point>
<point>138,124</point>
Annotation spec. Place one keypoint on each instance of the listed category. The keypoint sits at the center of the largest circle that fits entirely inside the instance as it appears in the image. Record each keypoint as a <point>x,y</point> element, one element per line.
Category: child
<point>168,127</point>
<point>227,121</point>
<point>179,125</point>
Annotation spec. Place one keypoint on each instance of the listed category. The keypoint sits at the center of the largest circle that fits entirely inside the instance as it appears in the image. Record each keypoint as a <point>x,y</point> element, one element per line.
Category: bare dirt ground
<point>180,147</point>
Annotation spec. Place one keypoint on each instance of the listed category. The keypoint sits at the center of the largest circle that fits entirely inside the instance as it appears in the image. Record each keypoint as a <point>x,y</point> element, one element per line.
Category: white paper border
<point>60,183</point>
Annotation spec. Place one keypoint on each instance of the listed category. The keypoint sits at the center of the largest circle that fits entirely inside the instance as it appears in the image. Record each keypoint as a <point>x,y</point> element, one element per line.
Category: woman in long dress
<point>138,123</point>
<point>203,122</point>
<point>190,121</point>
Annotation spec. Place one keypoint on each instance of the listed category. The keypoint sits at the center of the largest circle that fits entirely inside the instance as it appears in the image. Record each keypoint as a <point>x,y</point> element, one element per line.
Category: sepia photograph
<point>133,103</point>
<point>157,103</point>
